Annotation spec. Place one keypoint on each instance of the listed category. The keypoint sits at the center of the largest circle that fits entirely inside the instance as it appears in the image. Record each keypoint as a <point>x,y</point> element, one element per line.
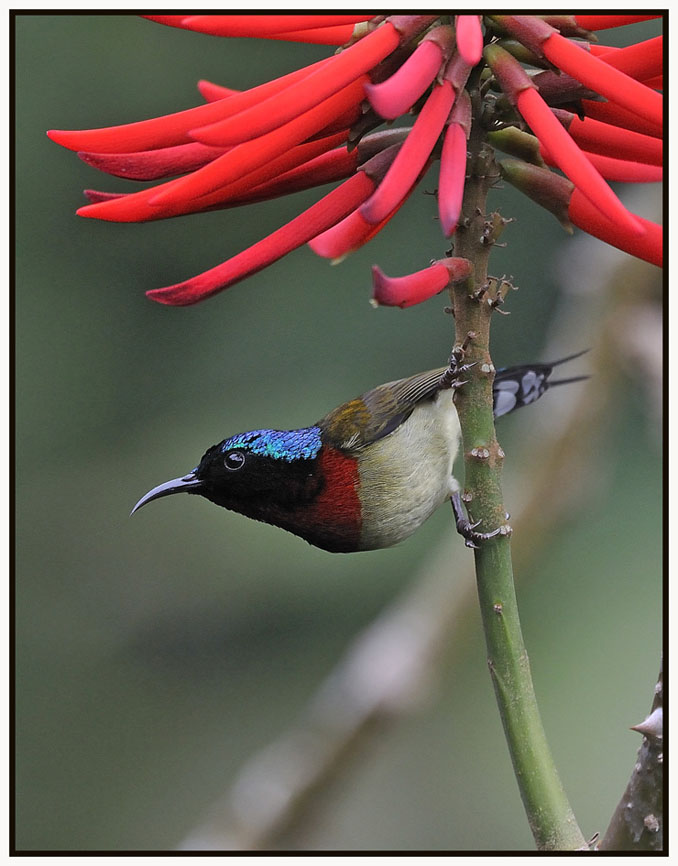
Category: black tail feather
<point>515,387</point>
<point>552,382</point>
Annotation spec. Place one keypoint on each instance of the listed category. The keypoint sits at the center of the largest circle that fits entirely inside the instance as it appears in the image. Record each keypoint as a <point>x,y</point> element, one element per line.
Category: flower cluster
<point>541,88</point>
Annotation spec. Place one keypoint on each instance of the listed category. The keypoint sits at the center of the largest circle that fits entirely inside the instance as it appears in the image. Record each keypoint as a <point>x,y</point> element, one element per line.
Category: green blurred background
<point>155,655</point>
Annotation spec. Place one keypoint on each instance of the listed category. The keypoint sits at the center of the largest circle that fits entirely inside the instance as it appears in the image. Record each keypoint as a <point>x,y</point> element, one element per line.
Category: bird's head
<point>252,472</point>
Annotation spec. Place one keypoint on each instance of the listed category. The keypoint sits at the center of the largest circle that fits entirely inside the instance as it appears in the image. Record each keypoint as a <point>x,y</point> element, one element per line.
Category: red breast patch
<point>336,510</point>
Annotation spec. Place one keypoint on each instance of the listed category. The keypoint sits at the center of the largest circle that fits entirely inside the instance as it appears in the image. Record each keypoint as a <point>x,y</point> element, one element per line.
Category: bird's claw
<point>451,378</point>
<point>467,529</point>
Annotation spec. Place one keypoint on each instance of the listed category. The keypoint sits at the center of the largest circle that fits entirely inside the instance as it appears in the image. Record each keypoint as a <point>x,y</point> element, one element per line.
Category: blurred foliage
<point>155,654</point>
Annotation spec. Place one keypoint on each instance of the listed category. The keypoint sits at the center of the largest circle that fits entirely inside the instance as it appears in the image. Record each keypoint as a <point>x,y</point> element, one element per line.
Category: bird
<point>370,472</point>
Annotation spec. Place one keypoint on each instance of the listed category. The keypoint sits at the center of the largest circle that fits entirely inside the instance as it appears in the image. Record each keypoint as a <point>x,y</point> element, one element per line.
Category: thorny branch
<point>638,821</point>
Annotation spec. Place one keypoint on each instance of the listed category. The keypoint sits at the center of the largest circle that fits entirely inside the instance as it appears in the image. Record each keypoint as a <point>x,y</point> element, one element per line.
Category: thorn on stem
<point>652,726</point>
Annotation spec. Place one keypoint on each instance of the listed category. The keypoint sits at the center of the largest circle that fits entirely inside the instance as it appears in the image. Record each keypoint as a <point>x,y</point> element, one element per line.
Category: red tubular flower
<point>140,206</point>
<point>452,174</point>
<point>334,165</point>
<point>170,129</point>
<point>598,137</point>
<point>339,72</point>
<point>605,22</point>
<point>611,168</point>
<point>326,212</point>
<point>341,119</point>
<point>525,146</point>
<point>353,231</point>
<point>420,286</point>
<point>469,38</point>
<point>316,28</point>
<point>615,115</point>
<point>339,35</point>
<point>604,78</point>
<point>640,61</point>
<point>647,247</point>
<point>656,83</point>
<point>154,164</point>
<point>413,155</point>
<point>397,94</point>
<point>211,92</point>
<point>571,160</point>
<point>313,126</point>
<point>569,205</point>
<point>453,165</point>
<point>347,236</point>
<point>251,155</point>
<point>593,72</point>
<point>262,26</point>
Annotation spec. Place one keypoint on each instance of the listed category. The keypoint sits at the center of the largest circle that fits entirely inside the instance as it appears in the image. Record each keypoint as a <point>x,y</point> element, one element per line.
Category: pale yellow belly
<point>406,475</point>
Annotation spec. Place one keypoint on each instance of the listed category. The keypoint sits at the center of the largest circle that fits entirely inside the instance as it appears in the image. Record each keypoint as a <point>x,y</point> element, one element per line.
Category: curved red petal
<point>603,138</point>
<point>345,237</point>
<point>411,289</point>
<point>154,164</point>
<point>571,159</point>
<point>218,135</point>
<point>413,155</point>
<point>602,78</point>
<point>211,92</point>
<point>173,128</point>
<point>169,20</point>
<point>296,158</point>
<point>470,38</point>
<point>334,165</point>
<point>247,157</point>
<point>261,26</point>
<point>613,114</point>
<point>641,60</point>
<point>324,213</point>
<point>140,207</point>
<point>587,217</point>
<point>338,72</point>
<point>397,94</point>
<point>349,234</point>
<point>338,35</point>
<point>605,22</point>
<point>452,176</point>
<point>611,168</point>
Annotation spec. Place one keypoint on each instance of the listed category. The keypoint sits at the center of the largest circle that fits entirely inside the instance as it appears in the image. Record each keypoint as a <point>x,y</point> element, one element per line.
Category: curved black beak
<point>178,485</point>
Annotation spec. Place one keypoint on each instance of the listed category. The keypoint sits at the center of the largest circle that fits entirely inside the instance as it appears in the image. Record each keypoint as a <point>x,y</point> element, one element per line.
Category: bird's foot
<point>468,530</point>
<point>453,376</point>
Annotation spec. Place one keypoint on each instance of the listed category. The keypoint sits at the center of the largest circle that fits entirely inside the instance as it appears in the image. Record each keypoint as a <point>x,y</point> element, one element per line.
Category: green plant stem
<point>549,814</point>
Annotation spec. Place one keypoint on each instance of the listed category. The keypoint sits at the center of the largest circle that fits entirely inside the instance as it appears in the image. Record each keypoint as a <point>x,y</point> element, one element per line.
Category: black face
<point>266,474</point>
<point>238,479</point>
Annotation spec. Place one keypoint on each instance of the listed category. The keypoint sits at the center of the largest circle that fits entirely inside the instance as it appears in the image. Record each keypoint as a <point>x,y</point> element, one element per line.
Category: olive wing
<point>356,424</point>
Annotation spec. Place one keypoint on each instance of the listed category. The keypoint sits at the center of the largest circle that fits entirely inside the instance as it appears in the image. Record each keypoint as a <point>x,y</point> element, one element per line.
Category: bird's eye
<point>234,460</point>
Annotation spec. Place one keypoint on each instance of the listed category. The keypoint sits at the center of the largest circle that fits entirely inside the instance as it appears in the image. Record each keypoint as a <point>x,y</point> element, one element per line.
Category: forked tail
<point>515,387</point>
